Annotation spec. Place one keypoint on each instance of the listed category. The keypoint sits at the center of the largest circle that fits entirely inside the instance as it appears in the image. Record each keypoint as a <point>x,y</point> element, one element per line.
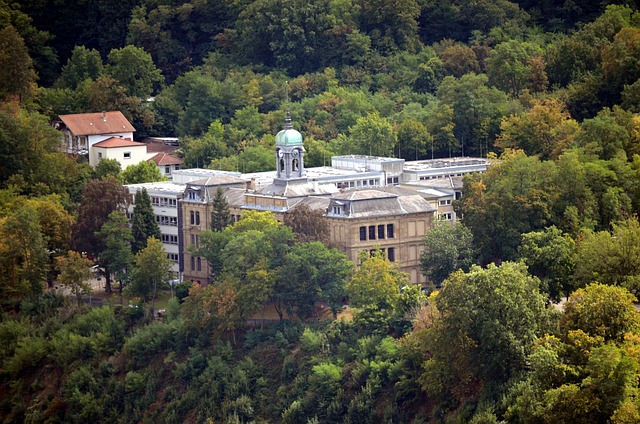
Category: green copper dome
<point>288,136</point>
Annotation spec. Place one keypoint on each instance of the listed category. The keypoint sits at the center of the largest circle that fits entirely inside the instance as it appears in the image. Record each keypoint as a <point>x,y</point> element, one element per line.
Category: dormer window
<point>337,210</point>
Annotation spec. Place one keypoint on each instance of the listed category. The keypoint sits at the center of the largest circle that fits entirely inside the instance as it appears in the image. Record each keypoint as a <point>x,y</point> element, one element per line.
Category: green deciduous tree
<point>75,270</point>
<point>477,110</point>
<point>99,199</point>
<point>135,70</point>
<point>151,272</point>
<point>601,311</point>
<point>84,64</point>
<point>549,256</point>
<point>448,248</point>
<point>143,172</point>
<point>308,224</point>
<point>117,257</point>
<point>374,290</point>
<point>610,257</point>
<point>107,168</point>
<point>312,272</point>
<point>372,135</point>
<point>545,130</point>
<point>487,324</point>
<point>509,199</point>
<point>509,65</point>
<point>24,256</point>
<point>143,222</point>
<point>18,76</point>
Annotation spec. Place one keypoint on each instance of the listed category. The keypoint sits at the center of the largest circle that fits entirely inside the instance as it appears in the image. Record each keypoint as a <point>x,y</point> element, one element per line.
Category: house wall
<point>165,208</point>
<point>137,154</point>
<point>196,217</point>
<point>407,241</point>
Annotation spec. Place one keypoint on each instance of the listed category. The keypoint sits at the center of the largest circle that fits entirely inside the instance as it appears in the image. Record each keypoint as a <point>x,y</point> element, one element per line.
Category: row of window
<point>195,240</point>
<point>173,257</point>
<point>377,232</point>
<point>169,239</point>
<point>444,202</point>
<point>167,220</point>
<point>164,202</point>
<point>359,183</point>
<point>435,177</point>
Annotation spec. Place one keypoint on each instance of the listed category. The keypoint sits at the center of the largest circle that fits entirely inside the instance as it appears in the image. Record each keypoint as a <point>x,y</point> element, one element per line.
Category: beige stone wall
<point>191,232</point>
<point>409,231</point>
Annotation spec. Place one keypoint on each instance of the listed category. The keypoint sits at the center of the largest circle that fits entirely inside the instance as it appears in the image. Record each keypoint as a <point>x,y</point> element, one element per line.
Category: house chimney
<point>252,184</point>
<point>104,116</point>
<point>315,185</point>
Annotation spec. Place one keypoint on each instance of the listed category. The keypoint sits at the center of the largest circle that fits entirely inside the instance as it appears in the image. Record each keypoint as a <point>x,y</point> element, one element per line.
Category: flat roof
<point>161,187</point>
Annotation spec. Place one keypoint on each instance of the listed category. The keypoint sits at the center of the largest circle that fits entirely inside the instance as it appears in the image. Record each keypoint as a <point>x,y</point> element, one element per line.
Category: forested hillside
<point>549,89</point>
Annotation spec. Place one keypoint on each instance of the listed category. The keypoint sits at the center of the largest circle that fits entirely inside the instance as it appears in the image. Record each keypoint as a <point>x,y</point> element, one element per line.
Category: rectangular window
<point>193,217</point>
<point>390,231</point>
<point>177,167</point>
<point>173,257</point>
<point>193,263</point>
<point>391,254</point>
<point>169,239</point>
<point>197,218</point>
<point>372,232</point>
<point>381,231</point>
<point>127,155</point>
<point>193,239</point>
<point>446,216</point>
<point>167,169</point>
<point>99,155</point>
<point>199,264</point>
<point>444,202</point>
<point>363,233</point>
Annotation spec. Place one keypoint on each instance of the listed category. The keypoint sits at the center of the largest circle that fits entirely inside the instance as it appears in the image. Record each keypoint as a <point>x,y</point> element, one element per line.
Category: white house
<point>167,163</point>
<point>82,130</point>
<point>125,151</point>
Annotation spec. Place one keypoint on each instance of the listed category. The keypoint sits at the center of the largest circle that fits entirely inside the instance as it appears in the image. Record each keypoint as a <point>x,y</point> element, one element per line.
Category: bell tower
<point>289,151</point>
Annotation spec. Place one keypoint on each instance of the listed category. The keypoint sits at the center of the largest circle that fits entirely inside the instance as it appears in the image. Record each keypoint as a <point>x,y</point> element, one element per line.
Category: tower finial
<point>287,119</point>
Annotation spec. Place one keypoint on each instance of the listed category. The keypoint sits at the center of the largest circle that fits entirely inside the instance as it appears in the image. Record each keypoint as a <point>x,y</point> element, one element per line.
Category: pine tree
<point>144,224</point>
<point>220,214</point>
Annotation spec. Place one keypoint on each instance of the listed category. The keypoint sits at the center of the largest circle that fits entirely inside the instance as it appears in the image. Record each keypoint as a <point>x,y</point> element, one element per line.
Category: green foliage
<point>75,270</point>
<point>610,258</point>
<point>447,249</point>
<point>601,311</point>
<point>107,168</point>
<point>135,70</point>
<point>549,256</point>
<point>152,271</point>
<point>489,319</point>
<point>143,172</point>
<point>18,76</point>
<point>84,64</point>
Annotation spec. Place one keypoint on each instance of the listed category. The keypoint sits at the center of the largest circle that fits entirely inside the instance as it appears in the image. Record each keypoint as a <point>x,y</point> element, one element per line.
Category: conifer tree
<point>220,214</point>
<point>144,224</point>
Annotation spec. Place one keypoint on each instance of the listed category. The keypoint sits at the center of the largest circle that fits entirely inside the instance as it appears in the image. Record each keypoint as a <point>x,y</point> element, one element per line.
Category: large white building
<point>165,198</point>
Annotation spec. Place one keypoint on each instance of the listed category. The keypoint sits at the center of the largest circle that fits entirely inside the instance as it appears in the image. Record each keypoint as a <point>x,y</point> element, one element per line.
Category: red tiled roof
<point>117,142</point>
<point>166,159</point>
<point>97,123</point>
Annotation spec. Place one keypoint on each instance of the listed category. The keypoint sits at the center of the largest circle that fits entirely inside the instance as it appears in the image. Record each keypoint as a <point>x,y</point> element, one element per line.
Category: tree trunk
<point>107,281</point>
